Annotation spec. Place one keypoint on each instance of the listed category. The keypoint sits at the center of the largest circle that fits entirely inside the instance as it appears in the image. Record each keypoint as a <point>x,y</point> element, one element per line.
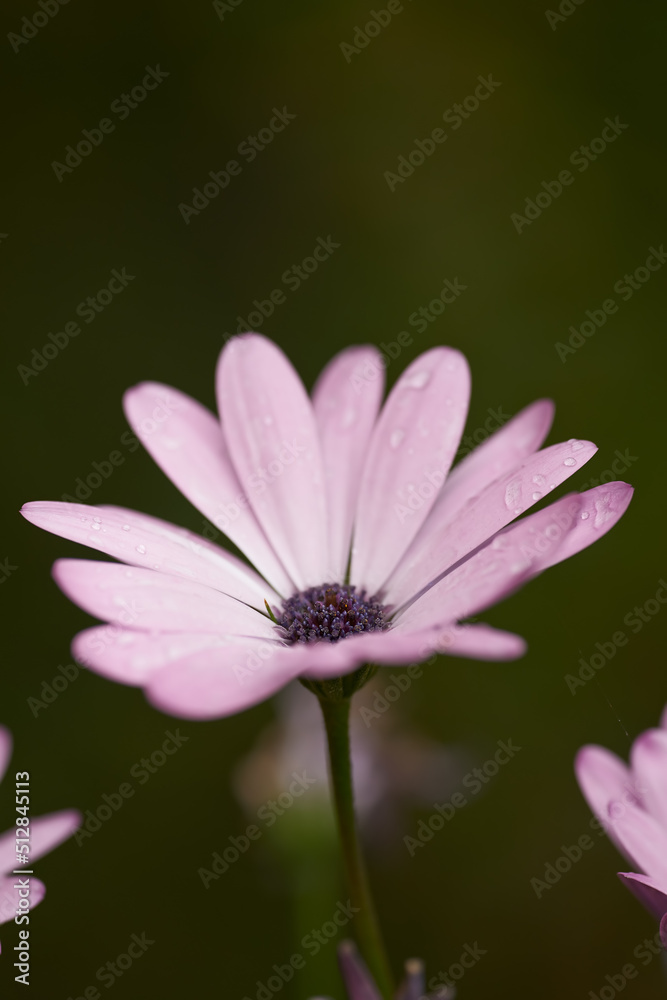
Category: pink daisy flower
<point>631,803</point>
<point>359,983</point>
<point>46,832</point>
<point>366,548</point>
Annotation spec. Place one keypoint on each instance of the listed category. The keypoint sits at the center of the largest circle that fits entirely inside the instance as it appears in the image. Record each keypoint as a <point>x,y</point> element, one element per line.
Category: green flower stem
<point>337,721</point>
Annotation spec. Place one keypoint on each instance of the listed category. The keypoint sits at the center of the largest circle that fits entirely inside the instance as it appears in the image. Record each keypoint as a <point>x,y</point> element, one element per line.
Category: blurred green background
<point>228,68</point>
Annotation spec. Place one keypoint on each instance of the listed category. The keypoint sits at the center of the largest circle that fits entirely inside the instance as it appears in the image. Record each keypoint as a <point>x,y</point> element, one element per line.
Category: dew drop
<point>141,549</point>
<point>512,493</point>
<point>417,381</point>
<point>518,510</point>
<point>570,461</point>
<point>126,527</point>
<point>552,486</point>
<point>576,445</point>
<point>95,525</point>
<point>539,480</point>
<point>536,495</point>
<point>396,438</point>
<point>584,515</point>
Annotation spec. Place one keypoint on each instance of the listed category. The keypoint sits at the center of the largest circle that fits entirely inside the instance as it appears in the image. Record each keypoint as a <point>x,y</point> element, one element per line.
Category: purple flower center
<point>331,612</point>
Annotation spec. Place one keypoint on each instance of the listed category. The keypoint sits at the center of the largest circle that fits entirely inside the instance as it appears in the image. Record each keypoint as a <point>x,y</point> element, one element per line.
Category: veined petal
<point>601,508</point>
<point>186,441</point>
<point>46,832</point>
<point>131,657</point>
<point>495,571</point>
<point>358,980</point>
<point>5,749</point>
<point>442,542</point>
<point>514,441</point>
<point>650,893</point>
<point>144,599</point>
<point>649,766</point>
<point>410,453</point>
<point>346,400</point>
<point>140,540</point>
<point>9,896</point>
<point>272,437</point>
<point>215,683</point>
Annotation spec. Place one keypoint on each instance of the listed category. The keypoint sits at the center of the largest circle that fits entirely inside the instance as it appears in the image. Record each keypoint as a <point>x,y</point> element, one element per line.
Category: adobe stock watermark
<point>621,463</point>
<point>454,116</point>
<point>634,620</point>
<point>615,982</point>
<point>268,814</point>
<point>364,35</point>
<point>625,287</point>
<point>142,771</point>
<point>47,9</point>
<point>6,569</point>
<point>293,277</point>
<point>108,973</point>
<point>566,9</point>
<point>122,107</point>
<point>249,148</point>
<point>222,7</point>
<point>581,158</point>
<point>88,310</point>
<point>419,319</point>
<point>474,781</point>
<point>313,942</point>
<point>467,960</point>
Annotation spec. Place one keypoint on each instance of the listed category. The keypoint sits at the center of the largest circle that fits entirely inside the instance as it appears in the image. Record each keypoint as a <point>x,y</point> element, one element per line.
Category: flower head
<point>366,548</point>
<point>46,832</point>
<point>360,986</point>
<point>631,803</point>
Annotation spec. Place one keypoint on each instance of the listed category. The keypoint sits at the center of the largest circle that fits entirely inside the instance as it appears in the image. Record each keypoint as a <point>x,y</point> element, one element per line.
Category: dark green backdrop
<point>323,176</point>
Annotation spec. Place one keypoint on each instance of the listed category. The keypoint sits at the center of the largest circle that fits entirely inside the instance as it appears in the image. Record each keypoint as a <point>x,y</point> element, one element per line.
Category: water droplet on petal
<point>396,438</point>
<point>539,480</point>
<point>518,510</point>
<point>584,515</point>
<point>576,445</point>
<point>95,525</point>
<point>552,486</point>
<point>141,549</point>
<point>570,461</point>
<point>536,495</point>
<point>417,381</point>
<point>512,493</point>
<point>126,527</point>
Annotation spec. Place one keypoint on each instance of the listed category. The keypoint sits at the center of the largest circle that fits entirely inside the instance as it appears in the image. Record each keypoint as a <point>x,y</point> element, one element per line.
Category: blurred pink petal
<point>411,450</point>
<point>632,804</point>
<point>9,896</point>
<point>294,484</point>
<point>5,749</point>
<point>187,442</point>
<point>346,400</point>
<point>270,428</point>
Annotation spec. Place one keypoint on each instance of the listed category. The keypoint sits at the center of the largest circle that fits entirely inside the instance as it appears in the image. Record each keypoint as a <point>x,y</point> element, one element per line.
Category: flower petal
<point>414,982</point>
<point>140,540</point>
<point>46,833</point>
<point>641,838</point>
<point>272,437</point>
<point>358,981</point>
<point>131,657</point>
<point>346,400</point>
<point>144,599</point>
<point>603,777</point>
<point>411,451</point>
<point>442,542</point>
<point>517,439</point>
<point>5,749</point>
<point>216,683</point>
<point>650,893</point>
<point>186,441</point>
<point>495,571</point>
<point>9,896</point>
<point>601,508</point>
<point>649,765</point>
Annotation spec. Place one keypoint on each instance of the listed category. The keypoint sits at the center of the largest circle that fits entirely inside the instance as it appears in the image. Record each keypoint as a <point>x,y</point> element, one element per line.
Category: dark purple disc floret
<point>330,612</point>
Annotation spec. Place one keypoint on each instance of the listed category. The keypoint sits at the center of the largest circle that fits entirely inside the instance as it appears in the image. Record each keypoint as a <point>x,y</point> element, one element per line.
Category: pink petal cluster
<point>311,490</point>
<point>46,832</point>
<point>360,985</point>
<point>631,803</point>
